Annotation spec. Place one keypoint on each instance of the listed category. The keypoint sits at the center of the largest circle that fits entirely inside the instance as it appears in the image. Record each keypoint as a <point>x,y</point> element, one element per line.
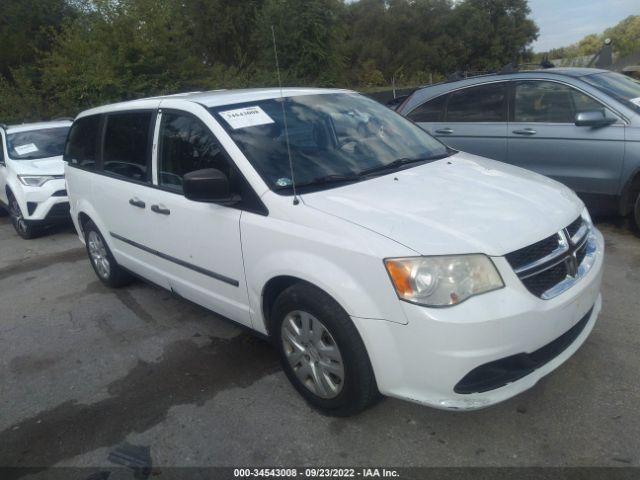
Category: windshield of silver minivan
<point>333,139</point>
<point>35,144</point>
<point>621,87</point>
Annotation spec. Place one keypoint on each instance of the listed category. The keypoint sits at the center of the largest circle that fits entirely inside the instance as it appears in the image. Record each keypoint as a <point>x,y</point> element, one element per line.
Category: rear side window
<point>485,103</point>
<point>126,145</point>
<point>431,111</point>
<point>82,145</point>
<point>187,145</point>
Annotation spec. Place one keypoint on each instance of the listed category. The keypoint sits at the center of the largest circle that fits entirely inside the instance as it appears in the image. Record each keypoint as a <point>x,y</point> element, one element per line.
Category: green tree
<point>308,35</point>
<point>486,34</point>
<point>25,28</point>
<point>122,50</point>
<point>625,36</point>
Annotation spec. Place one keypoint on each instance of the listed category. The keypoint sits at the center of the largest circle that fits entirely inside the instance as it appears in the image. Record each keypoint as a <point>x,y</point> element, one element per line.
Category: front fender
<point>363,290</point>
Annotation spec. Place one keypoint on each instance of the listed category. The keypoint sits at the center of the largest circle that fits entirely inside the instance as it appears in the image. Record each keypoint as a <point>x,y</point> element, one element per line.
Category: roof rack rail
<point>464,74</point>
<point>513,67</point>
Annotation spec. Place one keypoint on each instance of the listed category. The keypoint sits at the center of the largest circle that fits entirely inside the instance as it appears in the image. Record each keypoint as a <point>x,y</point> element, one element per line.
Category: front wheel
<point>321,351</point>
<point>102,261</point>
<point>23,228</point>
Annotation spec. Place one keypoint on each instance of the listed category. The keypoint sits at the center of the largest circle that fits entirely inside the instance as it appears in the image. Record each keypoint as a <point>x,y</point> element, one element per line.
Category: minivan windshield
<point>34,144</point>
<point>620,87</point>
<point>333,139</point>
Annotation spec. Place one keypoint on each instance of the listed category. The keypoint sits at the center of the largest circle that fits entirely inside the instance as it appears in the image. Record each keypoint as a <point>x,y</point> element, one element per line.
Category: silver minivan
<point>580,126</point>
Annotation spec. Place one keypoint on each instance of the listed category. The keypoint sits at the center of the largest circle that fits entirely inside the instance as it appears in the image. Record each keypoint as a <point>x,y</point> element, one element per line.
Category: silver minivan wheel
<point>98,254</point>
<point>313,354</point>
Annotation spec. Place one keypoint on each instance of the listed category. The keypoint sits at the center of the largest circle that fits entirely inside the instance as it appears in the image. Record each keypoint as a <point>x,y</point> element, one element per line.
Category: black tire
<point>636,214</point>
<point>358,389</point>
<point>22,227</point>
<point>107,269</point>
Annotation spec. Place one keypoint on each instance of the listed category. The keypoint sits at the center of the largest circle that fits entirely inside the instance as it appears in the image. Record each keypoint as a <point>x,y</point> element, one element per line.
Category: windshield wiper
<point>399,162</point>
<point>324,180</point>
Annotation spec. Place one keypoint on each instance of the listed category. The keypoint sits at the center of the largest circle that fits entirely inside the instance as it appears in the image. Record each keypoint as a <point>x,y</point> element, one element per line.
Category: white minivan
<point>378,260</point>
<point>32,188</point>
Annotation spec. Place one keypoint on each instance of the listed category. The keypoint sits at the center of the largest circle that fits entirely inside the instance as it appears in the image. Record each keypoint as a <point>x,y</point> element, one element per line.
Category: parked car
<point>375,258</point>
<point>580,126</point>
<point>32,188</point>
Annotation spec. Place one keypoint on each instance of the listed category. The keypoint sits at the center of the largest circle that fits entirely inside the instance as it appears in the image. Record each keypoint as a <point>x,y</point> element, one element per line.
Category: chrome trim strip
<point>582,231</point>
<point>583,269</point>
<point>547,267</point>
<point>563,247</point>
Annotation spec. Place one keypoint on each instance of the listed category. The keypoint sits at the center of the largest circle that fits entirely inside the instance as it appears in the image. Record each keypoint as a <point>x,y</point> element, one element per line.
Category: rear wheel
<point>102,261</point>
<point>322,352</point>
<point>636,213</point>
<point>23,228</point>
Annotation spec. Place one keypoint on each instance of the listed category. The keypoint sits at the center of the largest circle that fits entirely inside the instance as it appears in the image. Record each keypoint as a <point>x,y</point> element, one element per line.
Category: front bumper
<point>424,360</point>
<point>48,203</point>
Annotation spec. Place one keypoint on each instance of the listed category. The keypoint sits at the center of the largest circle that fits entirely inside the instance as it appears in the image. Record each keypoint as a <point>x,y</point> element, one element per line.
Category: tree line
<point>61,56</point>
<point>625,37</point>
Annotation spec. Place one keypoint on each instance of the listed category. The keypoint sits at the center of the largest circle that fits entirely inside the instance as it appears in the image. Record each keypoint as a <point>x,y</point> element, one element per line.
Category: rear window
<point>34,144</point>
<point>485,103</point>
<point>82,146</point>
<point>430,111</point>
<point>126,145</point>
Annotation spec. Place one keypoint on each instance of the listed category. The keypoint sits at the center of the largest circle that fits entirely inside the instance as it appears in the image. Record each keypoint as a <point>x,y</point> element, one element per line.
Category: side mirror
<point>593,118</point>
<point>208,185</point>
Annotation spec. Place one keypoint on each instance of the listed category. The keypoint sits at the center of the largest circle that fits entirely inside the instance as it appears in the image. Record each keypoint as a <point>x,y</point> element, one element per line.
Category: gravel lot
<point>85,369</point>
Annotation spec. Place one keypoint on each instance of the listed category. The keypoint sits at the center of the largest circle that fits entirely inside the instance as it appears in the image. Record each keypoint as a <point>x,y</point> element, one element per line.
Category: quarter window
<point>126,145</point>
<point>82,146</point>
<point>430,111</point>
<point>550,102</point>
<point>186,145</point>
<point>485,103</point>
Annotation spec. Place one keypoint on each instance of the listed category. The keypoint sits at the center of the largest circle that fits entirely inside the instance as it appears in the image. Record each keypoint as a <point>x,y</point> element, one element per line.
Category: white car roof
<point>27,127</point>
<point>215,98</point>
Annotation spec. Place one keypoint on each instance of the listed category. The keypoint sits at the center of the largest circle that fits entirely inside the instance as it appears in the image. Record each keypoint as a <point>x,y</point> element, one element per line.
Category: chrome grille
<point>552,265</point>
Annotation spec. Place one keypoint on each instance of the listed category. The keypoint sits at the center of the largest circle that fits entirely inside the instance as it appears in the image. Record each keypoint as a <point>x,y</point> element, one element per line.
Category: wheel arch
<point>629,193</point>
<point>273,288</point>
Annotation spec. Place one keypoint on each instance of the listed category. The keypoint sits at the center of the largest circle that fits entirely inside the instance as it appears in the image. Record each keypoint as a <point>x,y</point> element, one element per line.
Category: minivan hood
<point>41,166</point>
<point>461,204</point>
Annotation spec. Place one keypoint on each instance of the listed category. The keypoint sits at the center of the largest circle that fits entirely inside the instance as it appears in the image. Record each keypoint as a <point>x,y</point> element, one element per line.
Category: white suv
<point>395,265</point>
<point>32,187</point>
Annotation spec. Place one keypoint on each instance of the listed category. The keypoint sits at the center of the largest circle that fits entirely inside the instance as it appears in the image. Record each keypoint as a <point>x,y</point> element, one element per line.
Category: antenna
<point>284,117</point>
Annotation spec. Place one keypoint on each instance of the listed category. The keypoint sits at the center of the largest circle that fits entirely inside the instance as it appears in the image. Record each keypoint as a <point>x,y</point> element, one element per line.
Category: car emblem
<point>571,261</point>
<point>572,264</point>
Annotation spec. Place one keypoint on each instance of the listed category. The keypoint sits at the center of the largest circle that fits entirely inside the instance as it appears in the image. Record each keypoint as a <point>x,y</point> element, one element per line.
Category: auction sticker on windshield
<point>246,117</point>
<point>26,149</point>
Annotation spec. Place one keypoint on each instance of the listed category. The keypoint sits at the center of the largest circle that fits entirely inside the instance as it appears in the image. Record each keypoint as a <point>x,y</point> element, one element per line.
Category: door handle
<point>445,131</point>
<point>526,131</point>
<point>160,210</point>
<point>136,202</point>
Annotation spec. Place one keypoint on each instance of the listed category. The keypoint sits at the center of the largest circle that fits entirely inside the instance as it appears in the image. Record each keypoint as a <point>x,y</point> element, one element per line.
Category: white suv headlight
<point>37,180</point>
<point>443,281</point>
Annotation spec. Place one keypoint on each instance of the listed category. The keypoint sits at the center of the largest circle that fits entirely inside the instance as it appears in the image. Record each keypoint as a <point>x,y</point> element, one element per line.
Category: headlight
<point>443,281</point>
<point>37,180</point>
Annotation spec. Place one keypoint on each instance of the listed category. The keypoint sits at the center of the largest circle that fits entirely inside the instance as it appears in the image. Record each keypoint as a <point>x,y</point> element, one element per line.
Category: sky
<point>563,22</point>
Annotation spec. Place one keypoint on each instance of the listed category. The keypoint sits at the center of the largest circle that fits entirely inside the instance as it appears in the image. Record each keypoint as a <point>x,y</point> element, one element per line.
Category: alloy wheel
<point>313,354</point>
<point>98,253</point>
<point>16,217</point>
